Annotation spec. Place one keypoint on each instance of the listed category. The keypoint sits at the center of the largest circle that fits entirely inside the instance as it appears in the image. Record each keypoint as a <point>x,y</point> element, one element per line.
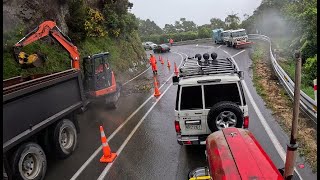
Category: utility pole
<point>293,146</point>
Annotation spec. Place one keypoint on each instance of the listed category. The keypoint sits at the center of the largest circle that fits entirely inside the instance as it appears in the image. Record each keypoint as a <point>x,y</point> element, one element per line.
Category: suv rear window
<point>191,97</point>
<point>221,92</point>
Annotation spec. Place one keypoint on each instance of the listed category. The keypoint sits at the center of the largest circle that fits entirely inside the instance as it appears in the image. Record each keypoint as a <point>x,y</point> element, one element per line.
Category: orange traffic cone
<point>168,63</point>
<point>155,80</point>
<point>176,69</point>
<point>107,156</point>
<point>156,89</point>
<point>162,62</point>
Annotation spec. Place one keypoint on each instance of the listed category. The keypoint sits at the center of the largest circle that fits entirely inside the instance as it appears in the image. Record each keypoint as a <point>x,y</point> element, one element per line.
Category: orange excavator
<point>98,78</point>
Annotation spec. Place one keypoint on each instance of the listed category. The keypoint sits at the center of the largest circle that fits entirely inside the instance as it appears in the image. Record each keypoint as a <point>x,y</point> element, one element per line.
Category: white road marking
<point>136,76</point>
<point>264,123</point>
<point>107,168</point>
<point>219,46</point>
<point>88,161</point>
<point>239,53</point>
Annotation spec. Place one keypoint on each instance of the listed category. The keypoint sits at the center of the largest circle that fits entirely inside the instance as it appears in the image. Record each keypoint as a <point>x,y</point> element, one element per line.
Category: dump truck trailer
<point>39,118</point>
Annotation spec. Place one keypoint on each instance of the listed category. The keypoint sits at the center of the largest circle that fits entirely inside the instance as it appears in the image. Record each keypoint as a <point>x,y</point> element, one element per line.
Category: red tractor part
<point>234,153</point>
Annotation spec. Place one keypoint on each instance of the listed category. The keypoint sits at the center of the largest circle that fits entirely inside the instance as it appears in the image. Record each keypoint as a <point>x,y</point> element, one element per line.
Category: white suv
<point>209,97</point>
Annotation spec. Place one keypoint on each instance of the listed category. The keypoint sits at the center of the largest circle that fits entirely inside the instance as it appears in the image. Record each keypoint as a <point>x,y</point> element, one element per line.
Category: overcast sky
<point>199,11</point>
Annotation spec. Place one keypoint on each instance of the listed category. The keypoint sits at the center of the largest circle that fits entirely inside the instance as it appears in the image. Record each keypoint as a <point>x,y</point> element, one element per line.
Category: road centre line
<point>107,168</point>
<point>88,161</point>
<point>264,123</point>
<point>239,53</point>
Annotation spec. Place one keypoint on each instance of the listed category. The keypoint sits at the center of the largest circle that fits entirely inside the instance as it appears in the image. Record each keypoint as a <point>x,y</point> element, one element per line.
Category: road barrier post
<point>293,146</point>
<point>315,89</point>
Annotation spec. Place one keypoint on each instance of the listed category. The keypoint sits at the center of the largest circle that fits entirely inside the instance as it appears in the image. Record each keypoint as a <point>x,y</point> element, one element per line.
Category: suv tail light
<point>162,49</point>
<point>177,126</point>
<point>246,122</point>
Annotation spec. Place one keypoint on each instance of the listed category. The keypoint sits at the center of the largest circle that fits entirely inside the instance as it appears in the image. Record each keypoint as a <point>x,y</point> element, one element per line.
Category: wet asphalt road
<point>151,151</point>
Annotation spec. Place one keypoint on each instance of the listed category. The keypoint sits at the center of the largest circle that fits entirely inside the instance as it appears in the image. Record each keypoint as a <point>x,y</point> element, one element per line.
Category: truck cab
<point>225,36</point>
<point>237,37</point>
<point>217,36</point>
<point>234,153</point>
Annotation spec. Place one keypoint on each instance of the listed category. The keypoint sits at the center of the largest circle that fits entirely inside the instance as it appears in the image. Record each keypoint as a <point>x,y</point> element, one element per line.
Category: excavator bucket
<point>30,61</point>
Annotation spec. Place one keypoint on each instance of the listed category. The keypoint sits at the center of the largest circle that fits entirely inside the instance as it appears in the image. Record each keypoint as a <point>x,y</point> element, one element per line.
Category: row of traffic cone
<point>176,71</point>
<point>162,61</point>
<point>109,156</point>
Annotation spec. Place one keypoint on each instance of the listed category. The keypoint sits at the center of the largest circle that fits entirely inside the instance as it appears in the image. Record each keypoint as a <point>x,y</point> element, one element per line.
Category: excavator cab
<point>98,76</point>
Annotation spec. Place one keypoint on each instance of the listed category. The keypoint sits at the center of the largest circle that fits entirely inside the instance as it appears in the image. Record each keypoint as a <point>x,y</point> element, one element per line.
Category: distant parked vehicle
<point>153,46</point>
<point>149,45</point>
<point>217,36</point>
<point>161,48</point>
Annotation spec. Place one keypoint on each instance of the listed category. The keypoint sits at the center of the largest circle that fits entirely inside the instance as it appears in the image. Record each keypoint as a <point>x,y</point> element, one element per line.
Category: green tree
<point>169,28</point>
<point>204,32</point>
<point>232,21</point>
<point>76,20</point>
<point>188,25</point>
<point>148,27</point>
<point>217,23</point>
<point>302,16</point>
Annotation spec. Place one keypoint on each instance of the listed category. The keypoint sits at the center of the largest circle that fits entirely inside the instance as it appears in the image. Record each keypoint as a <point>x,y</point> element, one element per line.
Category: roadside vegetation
<point>292,25</point>
<point>108,28</point>
<point>276,99</point>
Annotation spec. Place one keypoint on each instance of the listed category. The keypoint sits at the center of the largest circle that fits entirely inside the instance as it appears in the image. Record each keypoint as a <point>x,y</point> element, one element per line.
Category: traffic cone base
<point>157,92</point>
<point>109,159</point>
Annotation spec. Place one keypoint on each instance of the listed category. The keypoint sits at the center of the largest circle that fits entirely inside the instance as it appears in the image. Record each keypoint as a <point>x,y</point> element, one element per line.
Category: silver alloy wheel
<point>30,166</point>
<point>66,138</point>
<point>226,119</point>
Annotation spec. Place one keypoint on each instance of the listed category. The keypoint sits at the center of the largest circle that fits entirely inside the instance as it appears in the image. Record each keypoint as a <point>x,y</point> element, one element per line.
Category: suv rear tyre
<point>224,114</point>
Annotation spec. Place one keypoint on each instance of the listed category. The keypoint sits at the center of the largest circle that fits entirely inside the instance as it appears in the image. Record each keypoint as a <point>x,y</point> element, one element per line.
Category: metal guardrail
<point>307,104</point>
<point>178,43</point>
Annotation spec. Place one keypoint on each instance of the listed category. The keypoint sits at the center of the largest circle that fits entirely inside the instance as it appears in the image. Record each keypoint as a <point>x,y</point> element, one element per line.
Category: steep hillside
<point>78,19</point>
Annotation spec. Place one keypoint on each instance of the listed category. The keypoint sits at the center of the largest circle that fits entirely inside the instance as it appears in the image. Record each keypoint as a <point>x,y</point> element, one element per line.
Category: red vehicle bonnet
<point>235,154</point>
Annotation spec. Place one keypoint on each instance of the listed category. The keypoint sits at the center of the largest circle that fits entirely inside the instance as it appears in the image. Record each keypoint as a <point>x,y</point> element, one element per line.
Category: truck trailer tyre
<point>224,114</point>
<point>64,138</point>
<point>29,162</point>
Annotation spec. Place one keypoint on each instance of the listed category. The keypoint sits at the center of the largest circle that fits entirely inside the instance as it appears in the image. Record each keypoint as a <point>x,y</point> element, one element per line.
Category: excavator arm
<point>49,28</point>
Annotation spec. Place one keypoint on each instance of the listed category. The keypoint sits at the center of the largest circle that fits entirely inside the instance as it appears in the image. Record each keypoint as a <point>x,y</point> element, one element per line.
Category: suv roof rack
<point>195,67</point>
